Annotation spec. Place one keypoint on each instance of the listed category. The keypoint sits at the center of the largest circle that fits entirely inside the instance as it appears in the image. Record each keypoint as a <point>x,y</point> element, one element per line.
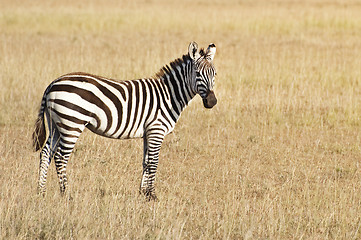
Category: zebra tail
<point>39,134</point>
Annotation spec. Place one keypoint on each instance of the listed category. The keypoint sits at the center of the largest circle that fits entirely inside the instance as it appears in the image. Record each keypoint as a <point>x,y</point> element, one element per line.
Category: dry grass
<point>277,158</point>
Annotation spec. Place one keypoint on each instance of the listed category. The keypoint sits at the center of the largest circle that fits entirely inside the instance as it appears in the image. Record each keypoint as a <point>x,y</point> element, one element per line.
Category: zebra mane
<point>201,52</point>
<point>165,71</point>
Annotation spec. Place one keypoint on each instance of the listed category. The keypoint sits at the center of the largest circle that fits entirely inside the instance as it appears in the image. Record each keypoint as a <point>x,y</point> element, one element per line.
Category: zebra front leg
<point>144,183</point>
<point>152,144</point>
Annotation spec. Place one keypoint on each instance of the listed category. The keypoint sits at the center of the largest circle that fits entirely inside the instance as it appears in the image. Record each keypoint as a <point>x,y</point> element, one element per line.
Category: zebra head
<point>205,73</point>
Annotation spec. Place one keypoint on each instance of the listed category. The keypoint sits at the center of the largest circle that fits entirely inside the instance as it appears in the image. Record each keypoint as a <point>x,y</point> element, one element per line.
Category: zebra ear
<point>192,50</point>
<point>211,51</point>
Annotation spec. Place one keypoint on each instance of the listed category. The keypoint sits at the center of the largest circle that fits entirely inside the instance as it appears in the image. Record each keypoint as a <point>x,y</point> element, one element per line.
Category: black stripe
<point>151,101</point>
<point>108,94</point>
<point>142,106</point>
<point>66,148</point>
<point>129,110</point>
<point>180,89</point>
<point>115,85</point>
<point>166,118</point>
<point>189,70</point>
<point>170,84</point>
<point>185,87</point>
<point>67,142</point>
<point>70,118</point>
<point>173,80</point>
<point>160,90</point>
<point>77,109</point>
<point>171,111</point>
<point>163,123</point>
<point>68,128</point>
<point>155,105</point>
<point>156,91</point>
<point>69,135</point>
<point>135,113</point>
<point>88,96</point>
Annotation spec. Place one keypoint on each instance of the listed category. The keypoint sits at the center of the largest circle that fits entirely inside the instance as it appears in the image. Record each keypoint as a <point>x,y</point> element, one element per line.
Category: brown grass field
<point>277,158</point>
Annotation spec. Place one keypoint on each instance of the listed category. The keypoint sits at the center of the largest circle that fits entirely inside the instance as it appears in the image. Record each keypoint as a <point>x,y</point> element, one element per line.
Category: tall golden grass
<point>277,158</point>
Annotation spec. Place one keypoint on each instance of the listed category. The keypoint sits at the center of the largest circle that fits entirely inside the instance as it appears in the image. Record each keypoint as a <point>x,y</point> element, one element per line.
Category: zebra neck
<point>178,85</point>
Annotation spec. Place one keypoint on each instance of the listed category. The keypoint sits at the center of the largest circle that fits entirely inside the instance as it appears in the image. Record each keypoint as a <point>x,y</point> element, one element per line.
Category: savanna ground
<point>277,158</point>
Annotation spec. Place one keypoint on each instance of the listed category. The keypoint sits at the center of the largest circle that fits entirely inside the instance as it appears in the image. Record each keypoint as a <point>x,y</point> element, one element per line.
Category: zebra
<point>145,108</point>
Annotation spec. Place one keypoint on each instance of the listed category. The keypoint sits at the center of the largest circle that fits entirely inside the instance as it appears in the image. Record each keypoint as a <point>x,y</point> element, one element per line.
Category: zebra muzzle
<point>210,100</point>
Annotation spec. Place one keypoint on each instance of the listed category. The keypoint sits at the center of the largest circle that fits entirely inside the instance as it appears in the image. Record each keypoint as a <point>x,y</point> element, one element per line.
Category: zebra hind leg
<point>65,148</point>
<point>60,164</point>
<point>46,154</point>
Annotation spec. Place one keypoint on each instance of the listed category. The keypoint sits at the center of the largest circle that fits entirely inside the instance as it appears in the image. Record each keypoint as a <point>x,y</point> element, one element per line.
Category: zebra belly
<point>125,135</point>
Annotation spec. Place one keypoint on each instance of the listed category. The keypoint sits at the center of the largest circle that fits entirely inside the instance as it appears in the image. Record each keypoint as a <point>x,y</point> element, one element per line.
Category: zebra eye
<point>198,74</point>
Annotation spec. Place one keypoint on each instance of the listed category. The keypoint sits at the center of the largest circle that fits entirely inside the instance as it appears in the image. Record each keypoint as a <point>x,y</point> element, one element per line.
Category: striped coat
<point>147,108</point>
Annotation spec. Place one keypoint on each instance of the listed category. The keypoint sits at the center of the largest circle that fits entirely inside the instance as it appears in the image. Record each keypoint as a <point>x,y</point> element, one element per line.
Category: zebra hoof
<point>149,196</point>
<point>152,197</point>
<point>41,192</point>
